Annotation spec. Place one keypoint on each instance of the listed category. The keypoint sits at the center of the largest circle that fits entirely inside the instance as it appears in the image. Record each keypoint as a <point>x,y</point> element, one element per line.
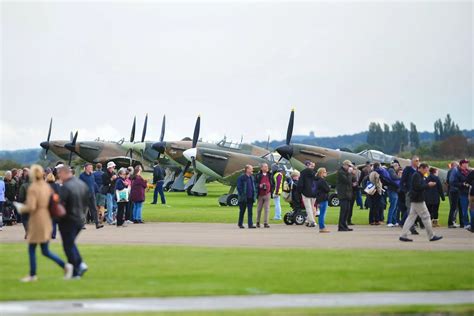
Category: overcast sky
<point>92,66</point>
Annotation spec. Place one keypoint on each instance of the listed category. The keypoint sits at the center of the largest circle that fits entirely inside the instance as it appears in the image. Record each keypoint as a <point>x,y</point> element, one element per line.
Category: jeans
<point>55,224</point>
<point>453,205</point>
<point>137,211</point>
<point>45,251</point>
<point>358,196</point>
<point>276,200</point>
<point>249,206</point>
<point>392,211</point>
<point>69,233</point>
<point>159,189</point>
<point>464,201</point>
<point>323,206</point>
<point>111,207</point>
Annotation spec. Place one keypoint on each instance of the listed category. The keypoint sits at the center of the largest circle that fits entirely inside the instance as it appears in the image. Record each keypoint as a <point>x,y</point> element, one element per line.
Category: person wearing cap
<point>296,199</point>
<point>108,182</point>
<point>264,182</point>
<point>344,193</point>
<point>307,187</point>
<point>88,178</point>
<point>458,184</point>
<point>364,176</point>
<point>74,196</point>
<point>278,183</point>
<point>418,186</point>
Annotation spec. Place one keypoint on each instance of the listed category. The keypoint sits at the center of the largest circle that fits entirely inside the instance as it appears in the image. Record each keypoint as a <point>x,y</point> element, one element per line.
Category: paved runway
<point>278,236</point>
<point>235,302</point>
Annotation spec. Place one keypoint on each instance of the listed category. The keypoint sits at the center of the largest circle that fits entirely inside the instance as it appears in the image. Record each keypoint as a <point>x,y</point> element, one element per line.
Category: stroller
<point>297,215</point>
<point>9,215</point>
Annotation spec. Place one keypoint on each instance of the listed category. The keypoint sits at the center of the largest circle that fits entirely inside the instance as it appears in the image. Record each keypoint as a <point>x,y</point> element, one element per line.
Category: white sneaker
<point>396,225</point>
<point>1,228</point>
<point>467,227</point>
<point>128,222</point>
<point>29,278</point>
<point>68,270</point>
<point>390,225</point>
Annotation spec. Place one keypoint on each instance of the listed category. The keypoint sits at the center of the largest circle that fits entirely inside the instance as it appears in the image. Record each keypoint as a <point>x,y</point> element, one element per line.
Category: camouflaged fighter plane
<point>56,146</point>
<point>174,150</point>
<point>332,159</point>
<point>119,152</point>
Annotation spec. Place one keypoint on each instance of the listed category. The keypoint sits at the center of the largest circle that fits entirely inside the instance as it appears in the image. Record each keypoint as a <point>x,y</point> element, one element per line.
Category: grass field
<point>184,208</point>
<point>150,271</point>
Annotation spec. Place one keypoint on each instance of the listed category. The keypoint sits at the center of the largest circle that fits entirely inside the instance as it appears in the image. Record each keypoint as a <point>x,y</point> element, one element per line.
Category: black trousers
<point>121,208</point>
<point>344,213</point>
<point>351,210</point>
<point>93,209</point>
<point>453,205</point>
<point>248,205</point>
<point>433,209</point>
<point>69,234</point>
<point>402,207</point>
<point>376,208</point>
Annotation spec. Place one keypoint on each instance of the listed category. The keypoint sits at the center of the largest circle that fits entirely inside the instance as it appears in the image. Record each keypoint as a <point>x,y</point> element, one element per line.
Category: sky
<point>242,66</point>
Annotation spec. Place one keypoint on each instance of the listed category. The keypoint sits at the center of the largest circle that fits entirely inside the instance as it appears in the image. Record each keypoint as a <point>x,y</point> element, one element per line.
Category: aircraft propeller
<point>197,129</point>
<point>161,145</point>
<point>286,151</point>
<point>45,145</point>
<point>71,147</point>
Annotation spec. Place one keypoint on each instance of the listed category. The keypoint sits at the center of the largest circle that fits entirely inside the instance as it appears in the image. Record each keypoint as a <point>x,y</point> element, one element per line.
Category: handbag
<point>370,189</point>
<point>56,209</point>
<point>122,195</point>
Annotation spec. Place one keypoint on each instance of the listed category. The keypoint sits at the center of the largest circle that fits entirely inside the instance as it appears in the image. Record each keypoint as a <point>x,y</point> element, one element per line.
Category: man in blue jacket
<point>460,190</point>
<point>246,193</point>
<point>88,178</point>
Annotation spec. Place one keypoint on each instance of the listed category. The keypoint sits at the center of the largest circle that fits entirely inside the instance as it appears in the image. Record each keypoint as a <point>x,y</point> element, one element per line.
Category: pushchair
<point>297,215</point>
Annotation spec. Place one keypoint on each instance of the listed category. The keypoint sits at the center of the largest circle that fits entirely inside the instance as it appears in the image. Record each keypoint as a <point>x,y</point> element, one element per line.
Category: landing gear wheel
<point>199,194</point>
<point>232,200</point>
<point>288,218</point>
<point>299,218</point>
<point>168,186</point>
<point>333,200</point>
<point>188,190</point>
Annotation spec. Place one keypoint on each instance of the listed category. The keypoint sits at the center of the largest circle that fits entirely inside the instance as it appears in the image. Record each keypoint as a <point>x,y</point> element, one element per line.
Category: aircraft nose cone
<point>159,147</point>
<point>45,145</point>
<point>70,146</point>
<point>286,151</point>
<point>190,153</point>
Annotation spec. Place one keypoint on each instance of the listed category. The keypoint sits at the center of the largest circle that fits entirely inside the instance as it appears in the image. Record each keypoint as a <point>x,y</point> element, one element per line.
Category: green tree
<point>399,137</point>
<point>375,135</point>
<point>446,129</point>
<point>414,137</point>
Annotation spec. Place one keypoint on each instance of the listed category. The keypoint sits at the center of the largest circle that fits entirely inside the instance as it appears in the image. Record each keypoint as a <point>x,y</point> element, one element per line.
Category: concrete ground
<point>67,307</point>
<point>277,236</point>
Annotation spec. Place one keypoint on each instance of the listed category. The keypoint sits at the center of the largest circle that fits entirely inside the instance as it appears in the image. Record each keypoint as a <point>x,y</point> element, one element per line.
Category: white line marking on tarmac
<point>208,303</point>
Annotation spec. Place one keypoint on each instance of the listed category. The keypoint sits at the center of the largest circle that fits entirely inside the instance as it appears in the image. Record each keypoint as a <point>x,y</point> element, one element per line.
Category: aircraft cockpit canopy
<point>375,155</point>
<point>229,144</point>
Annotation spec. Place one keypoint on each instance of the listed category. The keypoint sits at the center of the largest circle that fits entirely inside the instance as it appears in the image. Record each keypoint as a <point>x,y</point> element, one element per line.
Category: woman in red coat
<point>137,195</point>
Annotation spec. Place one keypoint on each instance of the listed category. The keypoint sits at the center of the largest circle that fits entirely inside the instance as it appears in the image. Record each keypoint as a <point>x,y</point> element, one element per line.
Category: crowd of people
<point>26,197</point>
<point>411,195</point>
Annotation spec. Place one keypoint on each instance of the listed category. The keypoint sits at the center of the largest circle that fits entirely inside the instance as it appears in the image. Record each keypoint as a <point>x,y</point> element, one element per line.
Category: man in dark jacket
<point>418,186</point>
<point>453,195</point>
<point>88,178</point>
<point>158,180</point>
<point>74,195</point>
<point>108,188</point>
<point>393,187</point>
<point>458,185</point>
<point>307,187</point>
<point>246,193</point>
<point>405,187</point>
<point>470,181</point>
<point>344,193</point>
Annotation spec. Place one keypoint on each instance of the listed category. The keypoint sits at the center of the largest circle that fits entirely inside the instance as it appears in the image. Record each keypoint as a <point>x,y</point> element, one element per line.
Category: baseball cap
<point>463,161</point>
<point>110,164</point>
<point>347,162</point>
<point>307,162</point>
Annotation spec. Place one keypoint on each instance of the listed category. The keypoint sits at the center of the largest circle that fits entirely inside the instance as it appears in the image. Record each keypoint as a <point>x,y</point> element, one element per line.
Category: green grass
<point>152,271</point>
<point>383,310</point>
<point>184,208</point>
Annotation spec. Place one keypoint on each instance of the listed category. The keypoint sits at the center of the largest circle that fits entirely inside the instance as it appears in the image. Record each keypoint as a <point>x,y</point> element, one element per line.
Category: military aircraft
<point>56,146</point>
<point>174,150</point>
<point>332,159</point>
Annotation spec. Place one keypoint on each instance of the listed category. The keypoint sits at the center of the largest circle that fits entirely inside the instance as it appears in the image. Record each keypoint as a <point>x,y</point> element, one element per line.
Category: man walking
<point>405,187</point>
<point>158,180</point>
<point>88,178</point>
<point>74,195</point>
<point>307,187</point>
<point>108,182</point>
<point>344,193</point>
<point>418,207</point>
<point>265,185</point>
<point>246,193</point>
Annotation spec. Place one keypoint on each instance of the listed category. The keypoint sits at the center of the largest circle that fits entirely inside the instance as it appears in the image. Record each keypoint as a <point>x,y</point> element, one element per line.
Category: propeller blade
<point>197,128</point>
<point>289,132</point>
<point>144,128</point>
<point>50,127</point>
<point>70,158</point>
<point>268,142</point>
<point>186,167</point>
<point>162,136</point>
<point>75,139</point>
<point>132,135</point>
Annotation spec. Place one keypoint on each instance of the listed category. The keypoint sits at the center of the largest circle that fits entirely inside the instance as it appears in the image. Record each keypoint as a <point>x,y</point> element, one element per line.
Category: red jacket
<point>137,193</point>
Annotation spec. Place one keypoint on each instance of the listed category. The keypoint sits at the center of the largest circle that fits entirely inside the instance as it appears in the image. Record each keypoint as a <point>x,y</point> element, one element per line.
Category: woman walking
<point>121,192</point>
<point>39,223</point>
<point>137,195</point>
<point>433,195</point>
<point>322,196</point>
